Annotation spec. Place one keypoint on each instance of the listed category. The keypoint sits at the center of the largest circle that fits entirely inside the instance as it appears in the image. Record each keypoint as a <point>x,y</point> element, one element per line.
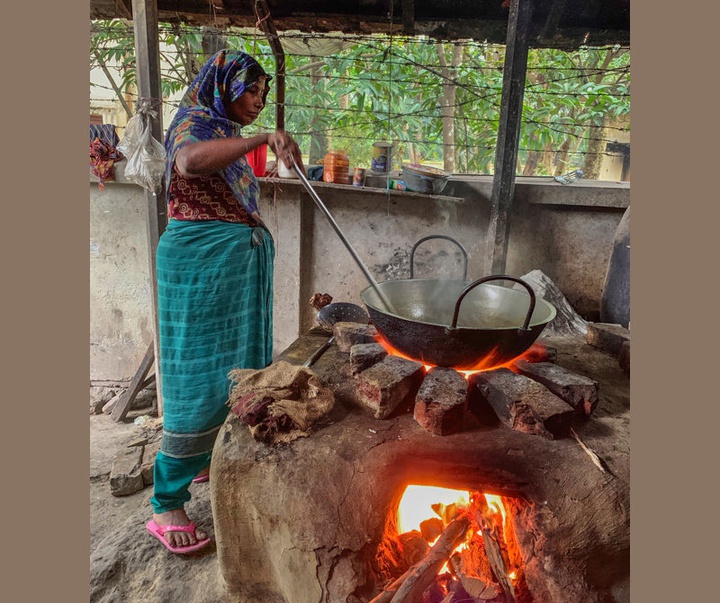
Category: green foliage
<point>391,88</point>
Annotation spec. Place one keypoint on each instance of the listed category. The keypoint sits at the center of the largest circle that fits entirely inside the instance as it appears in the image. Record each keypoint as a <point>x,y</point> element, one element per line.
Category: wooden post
<point>514,71</point>
<point>147,55</point>
<point>408,15</point>
<point>266,24</point>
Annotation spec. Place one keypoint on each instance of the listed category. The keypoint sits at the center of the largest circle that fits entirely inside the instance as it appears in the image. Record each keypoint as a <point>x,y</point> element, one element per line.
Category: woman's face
<point>246,109</point>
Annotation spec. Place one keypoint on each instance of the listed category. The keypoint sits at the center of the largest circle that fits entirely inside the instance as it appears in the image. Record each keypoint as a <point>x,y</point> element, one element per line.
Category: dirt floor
<point>107,438</point>
<point>126,564</point>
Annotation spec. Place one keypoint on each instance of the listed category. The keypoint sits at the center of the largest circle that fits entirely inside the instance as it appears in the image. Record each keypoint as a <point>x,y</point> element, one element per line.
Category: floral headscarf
<point>202,116</point>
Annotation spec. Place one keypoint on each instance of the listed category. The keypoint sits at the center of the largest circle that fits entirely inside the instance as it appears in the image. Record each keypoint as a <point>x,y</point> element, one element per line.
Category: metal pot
<point>457,324</point>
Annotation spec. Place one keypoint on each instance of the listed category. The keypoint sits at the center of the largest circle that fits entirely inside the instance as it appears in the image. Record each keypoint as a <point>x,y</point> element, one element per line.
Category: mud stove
<point>543,513</point>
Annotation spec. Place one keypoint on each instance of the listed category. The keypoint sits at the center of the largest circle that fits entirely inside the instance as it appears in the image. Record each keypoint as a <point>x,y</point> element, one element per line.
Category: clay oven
<point>308,521</point>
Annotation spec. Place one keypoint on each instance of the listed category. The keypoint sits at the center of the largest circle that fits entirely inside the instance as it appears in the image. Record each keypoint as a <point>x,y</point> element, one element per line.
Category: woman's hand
<point>286,149</point>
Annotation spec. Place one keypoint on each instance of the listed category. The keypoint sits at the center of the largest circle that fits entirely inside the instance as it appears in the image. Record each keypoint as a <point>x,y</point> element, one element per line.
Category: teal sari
<point>215,292</point>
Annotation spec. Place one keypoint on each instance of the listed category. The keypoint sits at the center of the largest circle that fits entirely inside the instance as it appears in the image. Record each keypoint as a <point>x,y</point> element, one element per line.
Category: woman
<point>214,273</point>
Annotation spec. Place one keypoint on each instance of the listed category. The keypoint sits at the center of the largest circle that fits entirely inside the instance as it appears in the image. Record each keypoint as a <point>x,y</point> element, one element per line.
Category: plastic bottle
<point>336,167</point>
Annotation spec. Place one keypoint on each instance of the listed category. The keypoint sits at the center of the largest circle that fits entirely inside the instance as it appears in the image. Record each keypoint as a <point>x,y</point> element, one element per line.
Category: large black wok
<point>456,323</point>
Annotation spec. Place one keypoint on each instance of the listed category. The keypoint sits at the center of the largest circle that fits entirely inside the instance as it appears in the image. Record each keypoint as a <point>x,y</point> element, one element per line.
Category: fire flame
<point>534,353</point>
<point>417,501</point>
<point>496,504</point>
<point>419,504</point>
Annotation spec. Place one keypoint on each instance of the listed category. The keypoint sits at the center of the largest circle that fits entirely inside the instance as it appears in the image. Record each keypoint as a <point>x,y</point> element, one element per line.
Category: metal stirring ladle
<point>383,298</point>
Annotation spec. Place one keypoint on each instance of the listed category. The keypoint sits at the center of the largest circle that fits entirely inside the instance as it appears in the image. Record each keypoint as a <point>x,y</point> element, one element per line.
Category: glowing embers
<point>451,546</point>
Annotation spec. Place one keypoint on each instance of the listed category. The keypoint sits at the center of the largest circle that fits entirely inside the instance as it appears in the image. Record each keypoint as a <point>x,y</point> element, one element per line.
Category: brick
<point>607,337</point>
<point>523,404</point>
<point>110,404</point>
<point>365,355</point>
<point>99,397</point>
<point>147,467</point>
<point>579,392</point>
<point>348,334</point>
<point>390,386</point>
<point>441,402</point>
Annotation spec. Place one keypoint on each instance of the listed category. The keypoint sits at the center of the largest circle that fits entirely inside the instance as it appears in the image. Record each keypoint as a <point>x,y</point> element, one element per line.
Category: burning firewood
<point>492,531</point>
<point>431,528</point>
<point>446,512</point>
<point>414,547</point>
<point>475,587</point>
<point>433,593</point>
<point>424,572</point>
<point>409,587</point>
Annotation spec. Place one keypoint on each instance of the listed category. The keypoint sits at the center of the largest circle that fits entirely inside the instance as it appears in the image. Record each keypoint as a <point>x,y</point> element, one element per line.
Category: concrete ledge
<point>544,190</point>
<point>586,193</point>
<point>292,184</point>
<point>537,190</point>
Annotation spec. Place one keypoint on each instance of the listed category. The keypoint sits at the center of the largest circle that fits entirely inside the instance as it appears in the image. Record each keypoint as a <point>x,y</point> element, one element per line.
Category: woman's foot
<point>203,476</point>
<point>178,517</point>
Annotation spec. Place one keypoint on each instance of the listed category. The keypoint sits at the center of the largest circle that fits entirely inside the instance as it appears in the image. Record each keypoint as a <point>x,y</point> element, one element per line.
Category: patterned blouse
<point>206,197</point>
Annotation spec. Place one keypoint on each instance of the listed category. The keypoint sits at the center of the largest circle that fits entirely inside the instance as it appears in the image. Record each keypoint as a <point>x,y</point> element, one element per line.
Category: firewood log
<point>424,572</point>
<point>495,549</point>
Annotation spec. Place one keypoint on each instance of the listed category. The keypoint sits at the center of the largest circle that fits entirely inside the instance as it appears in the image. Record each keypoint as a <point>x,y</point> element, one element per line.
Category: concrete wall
<point>565,231</point>
<point>120,297</point>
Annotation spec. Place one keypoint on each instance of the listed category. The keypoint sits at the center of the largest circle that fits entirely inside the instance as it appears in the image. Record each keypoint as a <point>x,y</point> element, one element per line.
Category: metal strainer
<point>331,314</point>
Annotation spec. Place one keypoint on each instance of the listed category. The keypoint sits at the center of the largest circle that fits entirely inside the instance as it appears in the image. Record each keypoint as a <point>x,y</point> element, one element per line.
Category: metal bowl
<point>424,179</point>
<point>341,312</point>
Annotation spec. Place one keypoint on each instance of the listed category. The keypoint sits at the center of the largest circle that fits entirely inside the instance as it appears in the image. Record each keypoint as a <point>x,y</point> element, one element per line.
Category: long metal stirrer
<point>334,224</point>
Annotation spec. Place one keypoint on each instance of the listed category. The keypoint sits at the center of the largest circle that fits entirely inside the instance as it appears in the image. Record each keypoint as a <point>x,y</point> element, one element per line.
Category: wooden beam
<point>267,26</point>
<point>122,406</point>
<point>513,90</point>
<point>124,9</point>
<point>552,22</point>
<point>408,15</point>
<point>147,55</point>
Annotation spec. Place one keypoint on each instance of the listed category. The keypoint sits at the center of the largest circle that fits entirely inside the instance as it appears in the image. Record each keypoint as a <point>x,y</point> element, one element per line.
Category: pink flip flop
<point>158,531</point>
<point>201,479</point>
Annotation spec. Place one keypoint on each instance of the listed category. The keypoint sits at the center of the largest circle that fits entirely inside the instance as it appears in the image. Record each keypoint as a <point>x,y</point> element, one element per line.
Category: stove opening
<point>451,546</point>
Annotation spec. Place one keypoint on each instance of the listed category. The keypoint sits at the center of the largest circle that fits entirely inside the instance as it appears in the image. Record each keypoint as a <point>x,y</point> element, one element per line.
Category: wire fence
<point>437,102</point>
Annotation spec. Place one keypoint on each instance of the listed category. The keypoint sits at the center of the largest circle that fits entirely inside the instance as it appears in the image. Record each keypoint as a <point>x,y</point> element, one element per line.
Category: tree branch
<point>115,87</point>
